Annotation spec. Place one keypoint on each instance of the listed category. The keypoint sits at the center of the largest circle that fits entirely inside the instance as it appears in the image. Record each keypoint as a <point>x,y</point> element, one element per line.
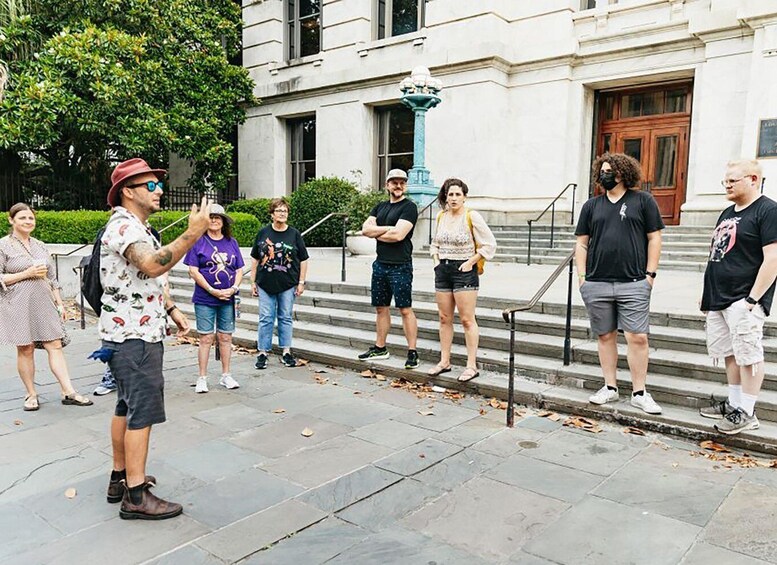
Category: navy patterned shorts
<point>392,280</point>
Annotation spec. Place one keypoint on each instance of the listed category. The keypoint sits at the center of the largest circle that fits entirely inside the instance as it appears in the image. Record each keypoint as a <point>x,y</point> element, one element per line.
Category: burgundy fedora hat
<point>128,169</point>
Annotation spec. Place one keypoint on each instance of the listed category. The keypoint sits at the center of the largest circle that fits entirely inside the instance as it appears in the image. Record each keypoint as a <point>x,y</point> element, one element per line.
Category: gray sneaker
<point>717,410</point>
<point>737,421</point>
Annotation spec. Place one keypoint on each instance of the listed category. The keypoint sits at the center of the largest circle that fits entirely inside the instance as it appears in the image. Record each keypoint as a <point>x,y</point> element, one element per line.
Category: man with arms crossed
<point>618,246</point>
<point>133,323</point>
<point>391,223</point>
<point>738,293</point>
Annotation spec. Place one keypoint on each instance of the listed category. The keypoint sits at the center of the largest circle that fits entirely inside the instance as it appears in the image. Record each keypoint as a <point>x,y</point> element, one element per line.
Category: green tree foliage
<point>315,199</point>
<point>114,79</point>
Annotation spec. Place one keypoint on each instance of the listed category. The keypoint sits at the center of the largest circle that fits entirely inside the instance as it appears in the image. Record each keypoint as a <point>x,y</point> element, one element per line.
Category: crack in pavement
<point>39,467</point>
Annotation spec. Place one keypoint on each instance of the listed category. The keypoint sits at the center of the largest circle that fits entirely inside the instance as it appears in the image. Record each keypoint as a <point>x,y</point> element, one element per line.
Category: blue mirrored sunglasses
<point>150,185</point>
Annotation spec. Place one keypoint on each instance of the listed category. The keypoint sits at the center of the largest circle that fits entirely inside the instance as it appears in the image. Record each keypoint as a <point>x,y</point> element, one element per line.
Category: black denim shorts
<point>448,278</point>
<point>140,386</point>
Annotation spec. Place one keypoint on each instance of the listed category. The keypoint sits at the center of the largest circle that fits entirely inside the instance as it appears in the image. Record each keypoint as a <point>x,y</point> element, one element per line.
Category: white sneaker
<point>202,385</point>
<point>228,382</point>
<point>603,396</point>
<point>645,403</point>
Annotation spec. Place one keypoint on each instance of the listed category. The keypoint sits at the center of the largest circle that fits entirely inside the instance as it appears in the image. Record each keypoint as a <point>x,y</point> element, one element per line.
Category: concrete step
<point>569,241</point>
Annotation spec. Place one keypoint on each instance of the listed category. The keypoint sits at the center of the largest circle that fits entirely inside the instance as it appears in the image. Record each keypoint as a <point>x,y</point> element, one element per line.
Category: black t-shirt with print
<point>736,254</point>
<point>617,248</point>
<point>279,254</point>
<point>388,214</point>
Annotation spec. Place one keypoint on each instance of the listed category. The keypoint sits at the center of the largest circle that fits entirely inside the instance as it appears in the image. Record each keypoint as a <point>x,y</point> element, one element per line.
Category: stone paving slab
<point>395,435</point>
<point>349,489</point>
<point>418,457</point>
<point>588,535</point>
<point>245,537</point>
<point>705,554</point>
<point>451,472</point>
<point>187,555</point>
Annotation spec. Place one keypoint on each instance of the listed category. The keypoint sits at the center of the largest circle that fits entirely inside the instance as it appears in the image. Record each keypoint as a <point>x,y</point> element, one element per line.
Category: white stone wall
<point>516,119</point>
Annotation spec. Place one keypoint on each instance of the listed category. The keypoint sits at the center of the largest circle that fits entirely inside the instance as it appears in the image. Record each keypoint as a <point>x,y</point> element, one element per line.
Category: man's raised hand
<point>199,218</point>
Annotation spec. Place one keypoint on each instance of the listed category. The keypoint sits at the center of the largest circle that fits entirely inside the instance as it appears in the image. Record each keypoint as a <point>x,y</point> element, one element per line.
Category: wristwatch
<point>751,300</point>
<point>651,274</point>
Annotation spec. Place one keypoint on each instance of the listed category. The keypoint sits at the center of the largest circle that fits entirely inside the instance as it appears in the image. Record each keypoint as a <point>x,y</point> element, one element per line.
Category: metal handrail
<point>509,316</point>
<point>552,206</point>
<point>344,215</point>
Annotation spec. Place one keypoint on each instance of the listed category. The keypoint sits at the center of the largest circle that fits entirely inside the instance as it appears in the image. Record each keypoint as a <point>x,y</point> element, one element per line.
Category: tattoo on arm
<point>163,256</point>
<point>138,253</point>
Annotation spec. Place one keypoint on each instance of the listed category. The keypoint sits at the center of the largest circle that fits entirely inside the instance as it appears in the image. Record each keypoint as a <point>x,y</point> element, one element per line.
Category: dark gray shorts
<point>613,306</point>
<point>137,367</point>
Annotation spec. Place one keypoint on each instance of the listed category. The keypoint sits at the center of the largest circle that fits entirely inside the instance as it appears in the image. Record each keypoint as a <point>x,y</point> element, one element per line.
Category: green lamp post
<point>419,93</point>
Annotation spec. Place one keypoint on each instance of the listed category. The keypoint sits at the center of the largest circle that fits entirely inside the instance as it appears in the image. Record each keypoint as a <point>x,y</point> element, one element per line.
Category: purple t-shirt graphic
<point>218,260</point>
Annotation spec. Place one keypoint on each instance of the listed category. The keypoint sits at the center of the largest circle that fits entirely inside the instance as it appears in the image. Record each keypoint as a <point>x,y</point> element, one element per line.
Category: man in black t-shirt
<point>618,247</point>
<point>391,223</point>
<point>738,293</point>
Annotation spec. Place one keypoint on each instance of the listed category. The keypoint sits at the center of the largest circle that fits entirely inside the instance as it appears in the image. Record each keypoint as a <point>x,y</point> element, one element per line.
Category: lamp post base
<point>420,187</point>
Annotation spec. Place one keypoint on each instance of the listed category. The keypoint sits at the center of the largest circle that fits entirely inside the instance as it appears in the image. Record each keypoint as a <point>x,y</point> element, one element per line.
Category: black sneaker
<point>261,361</point>
<point>412,359</point>
<point>375,353</point>
<point>289,360</point>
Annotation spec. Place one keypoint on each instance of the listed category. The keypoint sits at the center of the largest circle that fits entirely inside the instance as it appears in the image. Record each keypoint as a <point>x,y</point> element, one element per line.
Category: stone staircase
<point>684,248</point>
<point>334,322</point>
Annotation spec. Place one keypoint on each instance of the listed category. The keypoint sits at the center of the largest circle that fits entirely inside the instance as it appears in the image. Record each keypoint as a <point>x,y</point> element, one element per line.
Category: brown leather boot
<point>116,488</point>
<point>150,508</point>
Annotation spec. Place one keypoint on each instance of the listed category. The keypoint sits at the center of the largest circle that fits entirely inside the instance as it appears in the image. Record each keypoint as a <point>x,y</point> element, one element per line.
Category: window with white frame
<point>303,19</point>
<point>397,17</point>
<point>302,154</point>
<point>395,140</point>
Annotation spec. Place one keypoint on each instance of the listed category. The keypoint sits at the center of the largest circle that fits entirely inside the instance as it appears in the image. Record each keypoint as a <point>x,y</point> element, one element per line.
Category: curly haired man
<point>618,247</point>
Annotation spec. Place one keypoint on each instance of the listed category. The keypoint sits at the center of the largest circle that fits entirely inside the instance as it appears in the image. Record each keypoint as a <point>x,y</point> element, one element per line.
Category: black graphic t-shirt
<point>617,248</point>
<point>736,254</point>
<point>279,254</point>
<point>388,214</point>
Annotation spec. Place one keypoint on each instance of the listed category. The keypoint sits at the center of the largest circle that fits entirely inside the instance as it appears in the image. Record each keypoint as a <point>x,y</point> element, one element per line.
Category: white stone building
<point>534,89</point>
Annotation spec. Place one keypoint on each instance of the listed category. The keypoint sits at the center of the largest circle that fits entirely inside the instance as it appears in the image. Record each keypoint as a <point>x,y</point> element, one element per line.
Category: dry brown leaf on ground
<point>662,445</point>
<point>712,446</point>
<point>483,412</point>
<point>380,377</point>
<point>279,411</point>
<point>302,362</point>
<point>17,422</point>
<point>307,432</point>
<point>549,415</point>
<point>70,493</point>
<point>426,413</point>
<point>582,424</point>
<point>322,380</point>
<point>319,371</point>
<point>367,373</point>
<point>633,431</point>
<point>729,460</point>
<point>494,403</point>
<point>357,392</point>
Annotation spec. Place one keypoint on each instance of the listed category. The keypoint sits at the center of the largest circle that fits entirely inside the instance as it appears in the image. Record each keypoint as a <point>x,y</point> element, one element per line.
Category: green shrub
<point>360,206</point>
<point>257,207</point>
<point>81,226</point>
<point>315,199</point>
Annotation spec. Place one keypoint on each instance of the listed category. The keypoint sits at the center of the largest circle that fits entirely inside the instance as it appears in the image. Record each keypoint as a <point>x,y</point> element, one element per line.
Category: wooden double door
<point>659,142</point>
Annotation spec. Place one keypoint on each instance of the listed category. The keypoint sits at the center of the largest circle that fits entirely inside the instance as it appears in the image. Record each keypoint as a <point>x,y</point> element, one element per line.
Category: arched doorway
<point>652,124</point>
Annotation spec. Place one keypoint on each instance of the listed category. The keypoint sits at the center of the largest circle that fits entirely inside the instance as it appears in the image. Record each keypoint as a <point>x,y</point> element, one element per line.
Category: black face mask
<point>607,180</point>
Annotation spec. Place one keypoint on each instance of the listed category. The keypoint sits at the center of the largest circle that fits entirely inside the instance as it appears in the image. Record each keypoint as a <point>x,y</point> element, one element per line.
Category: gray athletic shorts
<point>612,306</point>
<point>137,367</point>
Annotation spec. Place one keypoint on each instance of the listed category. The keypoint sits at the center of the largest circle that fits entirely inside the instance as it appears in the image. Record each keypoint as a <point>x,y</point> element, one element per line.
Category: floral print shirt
<point>133,303</point>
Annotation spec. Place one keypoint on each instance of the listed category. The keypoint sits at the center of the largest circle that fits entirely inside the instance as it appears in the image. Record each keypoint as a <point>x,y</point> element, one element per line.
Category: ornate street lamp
<point>419,93</point>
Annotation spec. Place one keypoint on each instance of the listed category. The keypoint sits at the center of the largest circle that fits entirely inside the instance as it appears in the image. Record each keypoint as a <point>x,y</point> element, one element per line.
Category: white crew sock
<point>748,403</point>
<point>735,395</point>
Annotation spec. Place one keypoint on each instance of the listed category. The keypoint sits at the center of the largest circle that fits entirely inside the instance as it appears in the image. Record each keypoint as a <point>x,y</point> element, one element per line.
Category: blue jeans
<point>272,306</point>
<point>220,318</point>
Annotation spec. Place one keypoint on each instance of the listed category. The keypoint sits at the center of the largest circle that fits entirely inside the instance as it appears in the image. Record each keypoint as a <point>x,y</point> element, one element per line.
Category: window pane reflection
<point>666,155</point>
<point>404,17</point>
<point>633,148</point>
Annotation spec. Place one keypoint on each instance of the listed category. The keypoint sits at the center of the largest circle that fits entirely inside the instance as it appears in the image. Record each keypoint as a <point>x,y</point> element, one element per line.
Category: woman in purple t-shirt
<point>216,266</point>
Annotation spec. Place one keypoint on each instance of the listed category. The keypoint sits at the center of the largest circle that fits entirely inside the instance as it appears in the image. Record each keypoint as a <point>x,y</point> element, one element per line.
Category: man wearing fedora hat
<point>133,323</point>
<point>391,224</point>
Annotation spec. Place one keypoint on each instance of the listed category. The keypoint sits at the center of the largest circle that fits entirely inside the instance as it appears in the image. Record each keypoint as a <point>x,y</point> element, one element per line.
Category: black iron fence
<point>51,192</point>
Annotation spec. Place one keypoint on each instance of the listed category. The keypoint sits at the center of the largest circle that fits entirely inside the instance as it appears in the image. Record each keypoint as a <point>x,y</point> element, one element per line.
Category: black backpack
<point>91,287</point>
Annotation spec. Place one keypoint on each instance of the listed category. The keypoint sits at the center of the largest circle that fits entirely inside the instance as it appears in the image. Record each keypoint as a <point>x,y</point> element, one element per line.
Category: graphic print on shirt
<point>218,265</point>
<point>276,256</point>
<point>623,211</point>
<point>723,239</point>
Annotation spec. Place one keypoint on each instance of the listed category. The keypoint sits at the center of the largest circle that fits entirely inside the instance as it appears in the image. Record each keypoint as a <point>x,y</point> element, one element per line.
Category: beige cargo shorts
<point>737,331</point>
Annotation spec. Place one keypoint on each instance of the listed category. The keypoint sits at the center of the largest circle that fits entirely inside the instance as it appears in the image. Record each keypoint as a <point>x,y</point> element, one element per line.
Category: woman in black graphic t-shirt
<point>278,273</point>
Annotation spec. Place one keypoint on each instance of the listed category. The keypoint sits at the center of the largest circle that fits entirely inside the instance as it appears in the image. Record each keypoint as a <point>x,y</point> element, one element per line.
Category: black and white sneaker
<point>375,353</point>
<point>289,360</point>
<point>737,421</point>
<point>261,361</point>
<point>412,359</point>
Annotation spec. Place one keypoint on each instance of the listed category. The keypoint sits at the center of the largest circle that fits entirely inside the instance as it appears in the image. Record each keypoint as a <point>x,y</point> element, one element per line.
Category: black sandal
<point>76,399</point>
<point>468,374</point>
<point>438,369</point>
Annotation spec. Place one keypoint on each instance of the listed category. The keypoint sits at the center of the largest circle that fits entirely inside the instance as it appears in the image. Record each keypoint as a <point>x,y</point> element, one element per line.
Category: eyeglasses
<point>725,183</point>
<point>150,185</point>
